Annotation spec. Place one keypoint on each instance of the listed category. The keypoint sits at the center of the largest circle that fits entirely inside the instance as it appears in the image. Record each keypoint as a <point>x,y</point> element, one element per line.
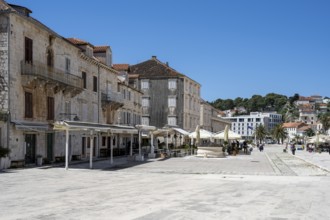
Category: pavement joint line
<point>274,166</point>
<point>311,163</point>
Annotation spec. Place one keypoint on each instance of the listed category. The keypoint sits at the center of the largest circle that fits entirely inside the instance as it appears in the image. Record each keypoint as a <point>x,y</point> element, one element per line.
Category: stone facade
<point>46,78</point>
<point>170,98</point>
<point>210,118</point>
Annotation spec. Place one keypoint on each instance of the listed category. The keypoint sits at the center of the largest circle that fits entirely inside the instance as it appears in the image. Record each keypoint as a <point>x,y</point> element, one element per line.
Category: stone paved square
<point>175,188</point>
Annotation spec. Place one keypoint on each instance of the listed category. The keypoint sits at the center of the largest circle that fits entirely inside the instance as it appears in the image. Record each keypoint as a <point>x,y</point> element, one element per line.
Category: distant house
<point>295,128</point>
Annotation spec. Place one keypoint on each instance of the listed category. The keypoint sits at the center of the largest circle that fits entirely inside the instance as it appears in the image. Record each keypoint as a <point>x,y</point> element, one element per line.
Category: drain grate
<point>255,161</point>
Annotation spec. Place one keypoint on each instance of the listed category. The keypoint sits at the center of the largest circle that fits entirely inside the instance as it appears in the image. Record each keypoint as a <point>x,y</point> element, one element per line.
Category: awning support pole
<point>67,149</point>
<point>152,150</point>
<point>91,151</point>
<point>131,147</point>
<point>167,142</point>
<point>111,149</point>
<point>139,143</point>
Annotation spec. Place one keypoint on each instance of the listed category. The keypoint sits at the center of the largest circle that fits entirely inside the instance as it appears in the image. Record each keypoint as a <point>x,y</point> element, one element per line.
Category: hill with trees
<point>270,102</point>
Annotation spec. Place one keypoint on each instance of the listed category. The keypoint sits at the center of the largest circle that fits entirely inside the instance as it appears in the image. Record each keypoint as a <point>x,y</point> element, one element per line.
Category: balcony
<point>114,100</point>
<point>59,79</point>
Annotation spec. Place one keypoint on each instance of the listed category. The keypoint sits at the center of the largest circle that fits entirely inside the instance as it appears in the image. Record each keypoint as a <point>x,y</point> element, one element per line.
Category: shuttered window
<point>50,108</point>
<point>94,83</point>
<point>28,50</point>
<point>28,105</point>
<point>84,78</point>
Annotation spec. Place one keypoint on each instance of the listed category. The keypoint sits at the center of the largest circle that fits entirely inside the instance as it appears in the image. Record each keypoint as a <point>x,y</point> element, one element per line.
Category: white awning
<point>181,131</point>
<point>79,126</point>
<point>170,130</point>
<point>31,126</point>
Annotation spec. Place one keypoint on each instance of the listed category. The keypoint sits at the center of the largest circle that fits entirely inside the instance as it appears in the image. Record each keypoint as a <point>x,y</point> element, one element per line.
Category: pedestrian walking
<point>293,149</point>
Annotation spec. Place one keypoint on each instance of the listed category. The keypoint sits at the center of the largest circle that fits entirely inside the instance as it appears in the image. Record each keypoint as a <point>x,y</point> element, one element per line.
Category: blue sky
<point>233,48</point>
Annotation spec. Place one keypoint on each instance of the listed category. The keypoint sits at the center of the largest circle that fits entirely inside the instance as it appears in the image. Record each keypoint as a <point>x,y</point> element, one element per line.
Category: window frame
<point>28,113</point>
<point>172,84</point>
<point>172,119</point>
<point>67,65</point>
<point>145,84</point>
<point>145,100</point>
<point>171,102</point>
<point>28,47</point>
<point>50,108</point>
<point>95,83</point>
<point>84,79</point>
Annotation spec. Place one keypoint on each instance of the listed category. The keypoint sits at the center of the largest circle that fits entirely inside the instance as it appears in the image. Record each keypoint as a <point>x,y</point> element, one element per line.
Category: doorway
<point>30,155</point>
<point>50,145</point>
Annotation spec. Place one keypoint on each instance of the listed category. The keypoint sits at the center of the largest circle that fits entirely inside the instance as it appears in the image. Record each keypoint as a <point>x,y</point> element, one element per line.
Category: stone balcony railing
<point>43,72</point>
<point>114,99</point>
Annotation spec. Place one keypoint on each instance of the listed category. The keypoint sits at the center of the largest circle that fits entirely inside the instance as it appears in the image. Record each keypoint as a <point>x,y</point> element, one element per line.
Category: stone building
<point>130,113</point>
<point>210,118</point>
<point>169,97</point>
<point>47,78</point>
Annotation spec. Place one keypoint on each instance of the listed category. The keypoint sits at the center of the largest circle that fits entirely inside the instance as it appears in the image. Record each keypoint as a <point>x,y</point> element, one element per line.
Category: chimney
<point>154,57</point>
<point>167,64</point>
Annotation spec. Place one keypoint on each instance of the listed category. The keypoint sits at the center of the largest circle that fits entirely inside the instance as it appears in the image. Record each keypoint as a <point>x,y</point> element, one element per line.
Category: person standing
<point>245,147</point>
<point>293,149</point>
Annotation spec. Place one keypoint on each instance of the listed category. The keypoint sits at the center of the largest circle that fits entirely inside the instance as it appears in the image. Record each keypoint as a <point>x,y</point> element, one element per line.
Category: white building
<point>295,128</point>
<point>245,124</point>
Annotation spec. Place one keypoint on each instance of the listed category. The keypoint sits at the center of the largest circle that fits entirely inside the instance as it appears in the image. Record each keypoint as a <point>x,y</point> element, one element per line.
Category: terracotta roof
<point>304,128</point>
<point>77,41</point>
<point>293,124</point>
<point>303,98</point>
<point>121,67</point>
<point>98,49</point>
<point>154,68</point>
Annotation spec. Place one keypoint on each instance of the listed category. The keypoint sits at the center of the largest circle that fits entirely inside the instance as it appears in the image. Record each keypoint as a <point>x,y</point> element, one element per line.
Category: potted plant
<point>4,159</point>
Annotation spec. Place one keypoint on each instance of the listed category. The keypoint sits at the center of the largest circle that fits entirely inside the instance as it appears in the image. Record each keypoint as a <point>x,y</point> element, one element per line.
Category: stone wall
<point>3,64</point>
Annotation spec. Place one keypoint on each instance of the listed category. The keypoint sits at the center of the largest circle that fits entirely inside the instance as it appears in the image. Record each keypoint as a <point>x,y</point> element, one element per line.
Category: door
<point>30,155</point>
<point>83,146</point>
<point>50,144</point>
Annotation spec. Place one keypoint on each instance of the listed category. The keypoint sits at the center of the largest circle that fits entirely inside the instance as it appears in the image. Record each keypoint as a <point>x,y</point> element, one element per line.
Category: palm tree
<point>260,132</point>
<point>279,133</point>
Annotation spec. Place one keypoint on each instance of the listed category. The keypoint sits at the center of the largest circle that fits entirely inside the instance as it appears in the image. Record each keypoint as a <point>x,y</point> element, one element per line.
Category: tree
<point>325,121</point>
<point>260,132</point>
<point>256,103</point>
<point>238,102</point>
<point>294,98</point>
<point>290,112</point>
<point>309,132</point>
<point>279,133</point>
